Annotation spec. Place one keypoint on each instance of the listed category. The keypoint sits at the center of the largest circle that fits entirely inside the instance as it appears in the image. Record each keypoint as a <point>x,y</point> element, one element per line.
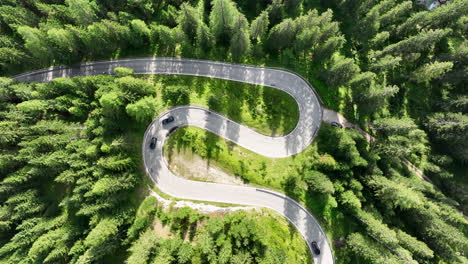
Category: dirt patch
<point>193,167</point>
<point>161,230</point>
<point>330,116</point>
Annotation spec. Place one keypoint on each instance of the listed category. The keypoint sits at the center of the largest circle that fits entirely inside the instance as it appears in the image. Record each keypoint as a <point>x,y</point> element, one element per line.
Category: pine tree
<point>325,51</point>
<point>282,35</point>
<point>143,110</point>
<point>240,41</point>
<point>142,249</point>
<point>204,38</point>
<point>222,19</point>
<point>140,33</point>
<point>36,43</point>
<point>341,71</point>
<point>189,20</point>
<point>16,16</point>
<point>145,7</point>
<point>100,241</point>
<point>396,194</point>
<point>11,57</point>
<point>64,43</point>
<point>438,18</point>
<point>421,42</point>
<point>414,245</point>
<point>395,15</point>
<point>450,130</point>
<point>394,125</point>
<point>318,182</point>
<point>350,201</point>
<point>102,38</point>
<point>259,27</point>
<point>431,71</point>
<point>83,12</point>
<point>369,250</point>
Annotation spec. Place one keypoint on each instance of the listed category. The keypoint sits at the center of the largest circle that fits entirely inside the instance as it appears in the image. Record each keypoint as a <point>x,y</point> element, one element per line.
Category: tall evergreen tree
<point>259,27</point>
<point>223,16</point>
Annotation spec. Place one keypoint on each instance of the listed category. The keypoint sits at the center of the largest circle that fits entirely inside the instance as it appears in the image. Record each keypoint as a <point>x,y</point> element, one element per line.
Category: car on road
<point>315,248</point>
<point>336,124</point>
<point>168,120</point>
<point>153,142</point>
<point>172,130</point>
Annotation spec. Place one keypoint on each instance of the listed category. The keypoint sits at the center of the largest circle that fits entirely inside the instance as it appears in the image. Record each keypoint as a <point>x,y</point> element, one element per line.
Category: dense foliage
<point>68,169</point>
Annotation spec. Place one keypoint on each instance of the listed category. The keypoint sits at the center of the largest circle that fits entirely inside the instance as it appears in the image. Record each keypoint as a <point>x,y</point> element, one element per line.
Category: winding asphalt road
<point>310,118</point>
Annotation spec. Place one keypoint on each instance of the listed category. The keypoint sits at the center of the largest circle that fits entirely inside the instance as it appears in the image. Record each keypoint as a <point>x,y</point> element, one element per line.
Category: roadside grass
<point>279,232</point>
<point>267,110</point>
<point>171,198</point>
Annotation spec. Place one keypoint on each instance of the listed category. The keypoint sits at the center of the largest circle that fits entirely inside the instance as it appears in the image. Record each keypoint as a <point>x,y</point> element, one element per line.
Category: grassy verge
<point>267,110</point>
<point>170,198</point>
<point>279,232</point>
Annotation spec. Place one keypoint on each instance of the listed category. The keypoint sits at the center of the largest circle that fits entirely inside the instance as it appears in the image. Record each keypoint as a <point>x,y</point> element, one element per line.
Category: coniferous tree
<point>432,71</point>
<point>450,129</point>
<point>189,20</point>
<point>36,43</point>
<point>259,27</point>
<point>223,16</point>
<point>143,110</point>
<point>240,41</point>
<point>83,12</point>
<point>282,35</point>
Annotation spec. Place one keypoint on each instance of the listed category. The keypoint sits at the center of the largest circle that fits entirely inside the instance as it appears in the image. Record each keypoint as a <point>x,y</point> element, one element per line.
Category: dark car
<point>153,142</point>
<point>168,120</point>
<point>336,124</point>
<point>315,248</point>
<point>172,130</point>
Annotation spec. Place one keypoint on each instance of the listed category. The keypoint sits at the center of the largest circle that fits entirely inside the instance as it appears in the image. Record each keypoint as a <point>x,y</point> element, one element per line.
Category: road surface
<point>310,117</point>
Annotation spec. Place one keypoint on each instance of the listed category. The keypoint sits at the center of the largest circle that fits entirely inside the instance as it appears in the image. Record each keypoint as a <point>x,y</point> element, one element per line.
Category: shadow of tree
<point>179,140</point>
<point>169,147</point>
<point>212,145</point>
<point>199,84</point>
<point>294,186</point>
<point>252,100</point>
<point>234,100</point>
<point>278,110</point>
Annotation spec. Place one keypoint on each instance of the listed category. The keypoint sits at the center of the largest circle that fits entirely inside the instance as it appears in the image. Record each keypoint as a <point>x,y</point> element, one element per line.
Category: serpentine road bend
<point>310,118</point>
